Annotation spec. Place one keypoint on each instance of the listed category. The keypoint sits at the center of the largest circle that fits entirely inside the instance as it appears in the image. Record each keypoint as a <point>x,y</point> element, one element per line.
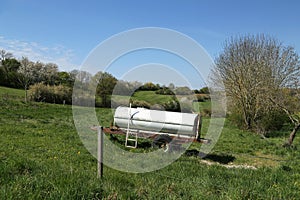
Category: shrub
<point>137,103</point>
<point>204,90</point>
<point>236,118</point>
<point>115,102</point>
<point>196,91</point>
<point>157,107</point>
<point>202,97</point>
<point>149,87</point>
<point>264,123</point>
<point>186,107</point>
<point>272,121</point>
<point>183,91</point>
<point>50,94</point>
<point>164,91</point>
<point>172,105</point>
<point>206,112</point>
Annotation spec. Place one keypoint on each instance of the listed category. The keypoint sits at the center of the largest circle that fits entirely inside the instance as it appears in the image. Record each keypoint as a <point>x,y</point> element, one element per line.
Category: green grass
<point>11,93</point>
<point>147,96</point>
<point>204,105</point>
<point>151,97</point>
<point>42,157</point>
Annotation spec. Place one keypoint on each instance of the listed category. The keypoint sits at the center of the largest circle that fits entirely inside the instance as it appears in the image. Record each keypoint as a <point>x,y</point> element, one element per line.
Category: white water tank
<point>157,121</point>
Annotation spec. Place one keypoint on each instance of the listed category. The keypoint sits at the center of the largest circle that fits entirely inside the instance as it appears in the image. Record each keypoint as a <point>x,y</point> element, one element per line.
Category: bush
<point>204,90</point>
<point>236,117</point>
<point>172,105</point>
<point>202,97</point>
<point>186,107</point>
<point>206,112</point>
<point>157,107</point>
<point>183,91</point>
<point>50,94</point>
<point>272,121</point>
<point>137,103</point>
<point>149,87</point>
<point>164,91</point>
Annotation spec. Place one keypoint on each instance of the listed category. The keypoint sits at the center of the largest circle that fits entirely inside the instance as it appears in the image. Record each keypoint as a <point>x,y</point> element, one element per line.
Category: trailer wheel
<point>162,141</point>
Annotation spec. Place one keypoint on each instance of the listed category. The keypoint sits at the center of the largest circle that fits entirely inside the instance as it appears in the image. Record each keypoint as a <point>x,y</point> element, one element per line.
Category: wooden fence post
<point>100,151</point>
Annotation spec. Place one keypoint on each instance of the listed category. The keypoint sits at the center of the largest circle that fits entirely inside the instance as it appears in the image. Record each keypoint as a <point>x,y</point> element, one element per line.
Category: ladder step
<point>131,139</point>
<point>130,135</point>
<point>131,147</point>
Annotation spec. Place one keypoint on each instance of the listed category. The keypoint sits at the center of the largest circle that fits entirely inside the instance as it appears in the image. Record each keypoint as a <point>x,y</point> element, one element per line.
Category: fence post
<point>100,151</point>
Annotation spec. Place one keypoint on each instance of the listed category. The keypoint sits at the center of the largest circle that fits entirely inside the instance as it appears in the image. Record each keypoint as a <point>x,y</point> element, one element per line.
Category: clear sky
<point>64,32</point>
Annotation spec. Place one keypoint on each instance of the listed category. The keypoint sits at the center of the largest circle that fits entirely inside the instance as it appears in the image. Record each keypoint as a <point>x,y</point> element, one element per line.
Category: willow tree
<point>255,70</point>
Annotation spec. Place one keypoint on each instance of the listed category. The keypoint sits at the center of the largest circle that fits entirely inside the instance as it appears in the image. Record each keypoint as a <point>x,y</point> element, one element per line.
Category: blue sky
<point>64,32</point>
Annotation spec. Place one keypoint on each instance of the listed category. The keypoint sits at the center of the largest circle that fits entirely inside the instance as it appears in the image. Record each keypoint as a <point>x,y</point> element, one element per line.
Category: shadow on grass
<point>219,158</point>
<point>121,140</point>
<point>144,144</point>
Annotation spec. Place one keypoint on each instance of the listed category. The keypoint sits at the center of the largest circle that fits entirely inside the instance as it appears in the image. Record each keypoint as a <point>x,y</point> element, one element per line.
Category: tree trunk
<point>25,94</point>
<point>293,134</point>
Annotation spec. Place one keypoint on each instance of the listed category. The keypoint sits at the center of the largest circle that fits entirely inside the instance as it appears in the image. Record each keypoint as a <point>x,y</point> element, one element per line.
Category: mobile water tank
<point>160,122</point>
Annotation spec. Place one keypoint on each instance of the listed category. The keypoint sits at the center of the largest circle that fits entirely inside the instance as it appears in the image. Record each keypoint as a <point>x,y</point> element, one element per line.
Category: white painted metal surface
<point>158,121</point>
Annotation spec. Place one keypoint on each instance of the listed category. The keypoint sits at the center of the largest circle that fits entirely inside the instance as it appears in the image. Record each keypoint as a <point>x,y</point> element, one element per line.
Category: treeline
<point>46,83</point>
<point>13,72</point>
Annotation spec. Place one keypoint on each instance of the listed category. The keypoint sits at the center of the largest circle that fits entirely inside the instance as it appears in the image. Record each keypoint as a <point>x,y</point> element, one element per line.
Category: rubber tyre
<point>162,141</point>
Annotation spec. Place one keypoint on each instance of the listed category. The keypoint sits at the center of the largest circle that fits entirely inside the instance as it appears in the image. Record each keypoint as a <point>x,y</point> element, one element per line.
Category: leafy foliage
<point>50,94</point>
<point>105,85</point>
<point>8,73</point>
<point>164,91</point>
<point>139,103</point>
<point>202,97</point>
<point>183,91</point>
<point>271,121</point>
<point>149,87</point>
<point>203,90</point>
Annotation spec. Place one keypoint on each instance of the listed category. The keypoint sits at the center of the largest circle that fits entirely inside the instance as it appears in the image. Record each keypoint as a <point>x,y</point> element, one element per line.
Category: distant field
<point>148,96</point>
<point>152,98</point>
<point>42,157</point>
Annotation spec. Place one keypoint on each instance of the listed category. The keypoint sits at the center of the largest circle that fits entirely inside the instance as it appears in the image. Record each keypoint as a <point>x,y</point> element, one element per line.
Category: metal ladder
<point>131,136</point>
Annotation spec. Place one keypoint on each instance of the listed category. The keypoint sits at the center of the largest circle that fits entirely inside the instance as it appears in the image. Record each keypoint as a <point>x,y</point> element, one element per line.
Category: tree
<point>11,64</point>
<point>36,72</point>
<point>9,73</point>
<point>204,90</point>
<point>81,76</point>
<point>64,78</point>
<point>5,55</point>
<point>105,86</point>
<point>183,91</point>
<point>288,100</point>
<point>149,87</point>
<point>27,74</point>
<point>164,91</point>
<point>255,70</point>
<point>49,73</point>
<point>8,67</point>
<point>171,86</point>
<point>123,88</point>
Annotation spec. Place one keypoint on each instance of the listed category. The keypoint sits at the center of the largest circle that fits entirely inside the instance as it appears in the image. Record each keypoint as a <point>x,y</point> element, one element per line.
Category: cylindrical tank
<point>156,120</point>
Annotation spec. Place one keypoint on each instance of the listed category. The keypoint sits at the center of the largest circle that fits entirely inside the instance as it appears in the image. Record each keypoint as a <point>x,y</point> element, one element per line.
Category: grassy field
<point>42,157</point>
